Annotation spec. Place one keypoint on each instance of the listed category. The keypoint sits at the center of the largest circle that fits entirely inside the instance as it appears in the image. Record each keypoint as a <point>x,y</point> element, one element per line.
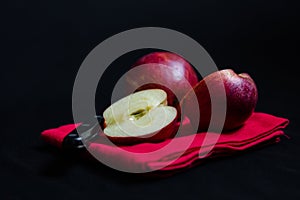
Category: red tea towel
<point>259,130</point>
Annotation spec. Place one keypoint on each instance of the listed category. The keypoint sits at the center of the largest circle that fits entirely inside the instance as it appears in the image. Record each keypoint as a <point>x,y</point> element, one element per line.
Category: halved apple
<point>143,116</point>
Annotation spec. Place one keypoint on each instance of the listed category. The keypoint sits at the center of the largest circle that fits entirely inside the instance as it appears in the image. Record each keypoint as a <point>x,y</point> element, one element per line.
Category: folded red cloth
<point>260,129</point>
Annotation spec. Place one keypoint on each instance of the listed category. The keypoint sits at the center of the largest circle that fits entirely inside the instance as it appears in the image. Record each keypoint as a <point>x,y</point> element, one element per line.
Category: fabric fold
<point>260,129</point>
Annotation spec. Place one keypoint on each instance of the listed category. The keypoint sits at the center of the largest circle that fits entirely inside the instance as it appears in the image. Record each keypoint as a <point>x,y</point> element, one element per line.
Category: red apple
<point>241,99</point>
<point>174,75</point>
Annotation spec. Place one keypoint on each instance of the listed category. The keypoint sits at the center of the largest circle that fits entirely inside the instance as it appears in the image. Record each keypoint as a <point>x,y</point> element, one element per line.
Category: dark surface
<point>44,43</point>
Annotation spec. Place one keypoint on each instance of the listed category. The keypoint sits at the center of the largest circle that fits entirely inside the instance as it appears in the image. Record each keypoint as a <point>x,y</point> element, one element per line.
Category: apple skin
<point>241,99</point>
<point>181,74</point>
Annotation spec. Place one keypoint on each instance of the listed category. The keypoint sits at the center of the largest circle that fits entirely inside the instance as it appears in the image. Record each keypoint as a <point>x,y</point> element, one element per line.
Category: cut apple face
<point>142,114</point>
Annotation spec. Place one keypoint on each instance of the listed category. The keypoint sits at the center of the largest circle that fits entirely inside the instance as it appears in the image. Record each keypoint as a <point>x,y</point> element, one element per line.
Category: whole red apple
<point>176,76</point>
<point>241,99</point>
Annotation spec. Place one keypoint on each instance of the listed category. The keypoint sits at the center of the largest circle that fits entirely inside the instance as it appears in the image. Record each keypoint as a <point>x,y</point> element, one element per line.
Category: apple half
<point>143,116</point>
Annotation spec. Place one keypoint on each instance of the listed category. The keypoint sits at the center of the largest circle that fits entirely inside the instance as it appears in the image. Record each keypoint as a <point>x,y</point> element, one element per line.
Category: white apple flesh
<point>139,117</point>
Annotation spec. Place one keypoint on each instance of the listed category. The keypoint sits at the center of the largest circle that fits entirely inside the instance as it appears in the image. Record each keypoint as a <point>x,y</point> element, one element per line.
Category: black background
<point>44,44</point>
